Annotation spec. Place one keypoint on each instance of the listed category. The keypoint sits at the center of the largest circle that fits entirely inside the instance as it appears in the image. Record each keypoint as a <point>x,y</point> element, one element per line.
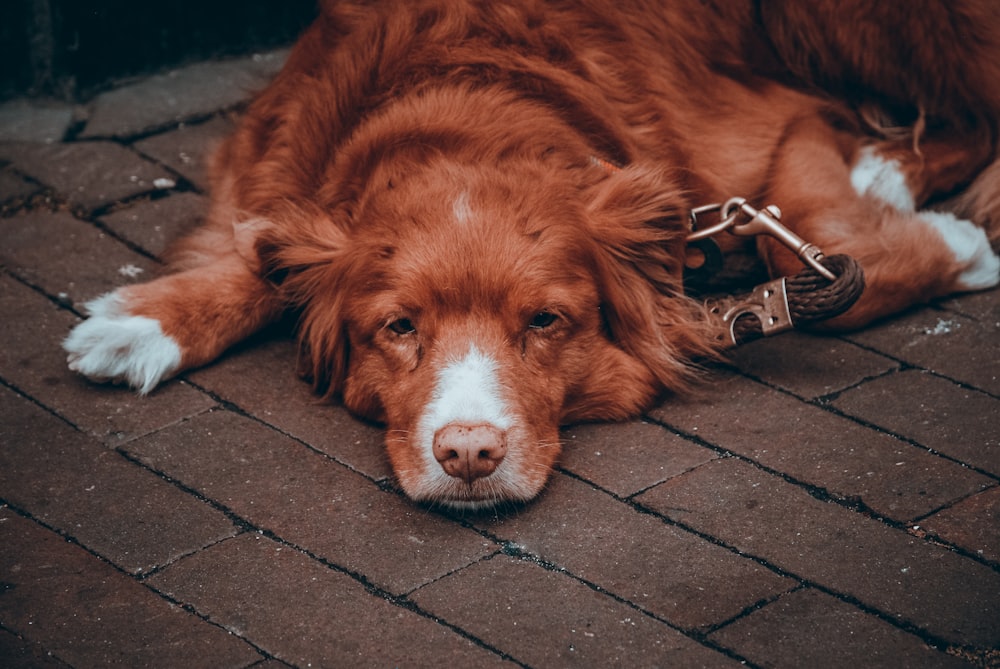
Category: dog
<point>479,209</point>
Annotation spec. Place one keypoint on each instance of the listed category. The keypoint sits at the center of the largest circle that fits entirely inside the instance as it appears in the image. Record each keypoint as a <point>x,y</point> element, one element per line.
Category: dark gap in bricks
<point>935,540</point>
<point>74,129</point>
<point>69,538</point>
<point>911,442</point>
<point>975,656</point>
<point>756,606</point>
<point>820,493</point>
<point>401,601</point>
<point>11,204</point>
<point>45,199</point>
<point>932,641</point>
<point>909,366</point>
<point>823,403</point>
<point>193,120</point>
<point>62,301</point>
<point>91,218</point>
<point>240,411</point>
<point>515,551</point>
<point>895,621</point>
<point>851,503</point>
<point>238,521</point>
<point>166,565</point>
<point>823,400</point>
<point>485,558</point>
<point>188,608</point>
<point>961,384</point>
<point>10,386</point>
<point>139,198</point>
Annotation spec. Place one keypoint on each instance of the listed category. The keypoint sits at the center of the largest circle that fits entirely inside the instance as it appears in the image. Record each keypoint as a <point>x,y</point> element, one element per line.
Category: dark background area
<point>71,49</point>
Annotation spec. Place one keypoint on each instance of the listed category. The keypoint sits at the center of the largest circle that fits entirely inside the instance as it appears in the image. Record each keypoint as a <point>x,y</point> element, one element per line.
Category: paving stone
<point>548,619</point>
<point>14,190</point>
<point>34,120</point>
<point>303,612</point>
<point>822,449</point>
<point>973,524</point>
<point>955,346</point>
<point>259,377</point>
<point>32,359</point>
<point>629,457</point>
<point>982,306</point>
<point>934,412</point>
<point>18,653</point>
<point>304,497</point>
<point>190,92</point>
<point>809,366</point>
<point>662,569</point>
<point>153,224</point>
<point>951,597</point>
<point>87,614</point>
<point>187,149</point>
<point>68,257</point>
<point>807,628</point>
<point>88,174</point>
<point>73,484</point>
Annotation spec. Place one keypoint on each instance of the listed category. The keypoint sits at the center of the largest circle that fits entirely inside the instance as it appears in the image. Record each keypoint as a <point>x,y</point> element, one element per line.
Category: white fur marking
<point>467,391</point>
<point>971,248</point>
<point>461,210</point>
<point>882,179</point>
<point>112,345</point>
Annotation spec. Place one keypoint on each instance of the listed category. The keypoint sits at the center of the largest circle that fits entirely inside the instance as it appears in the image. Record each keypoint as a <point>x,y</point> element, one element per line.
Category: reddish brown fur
<point>337,194</point>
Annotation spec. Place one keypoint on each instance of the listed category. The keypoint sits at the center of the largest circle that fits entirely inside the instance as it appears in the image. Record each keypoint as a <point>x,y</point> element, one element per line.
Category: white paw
<point>111,345</point>
<point>971,247</point>
<point>882,179</point>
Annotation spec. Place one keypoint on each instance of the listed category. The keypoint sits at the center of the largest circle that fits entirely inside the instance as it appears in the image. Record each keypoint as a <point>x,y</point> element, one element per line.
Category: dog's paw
<point>980,266</point>
<point>112,345</point>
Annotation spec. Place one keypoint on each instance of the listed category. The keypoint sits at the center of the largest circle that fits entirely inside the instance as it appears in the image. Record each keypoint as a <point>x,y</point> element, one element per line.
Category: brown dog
<point>422,182</point>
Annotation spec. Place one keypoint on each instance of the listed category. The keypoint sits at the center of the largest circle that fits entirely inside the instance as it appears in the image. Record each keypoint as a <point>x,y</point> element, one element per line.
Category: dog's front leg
<point>143,334</point>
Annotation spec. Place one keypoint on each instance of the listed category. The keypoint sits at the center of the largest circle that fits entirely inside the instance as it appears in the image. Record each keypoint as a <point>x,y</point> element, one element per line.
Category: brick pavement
<point>826,502</point>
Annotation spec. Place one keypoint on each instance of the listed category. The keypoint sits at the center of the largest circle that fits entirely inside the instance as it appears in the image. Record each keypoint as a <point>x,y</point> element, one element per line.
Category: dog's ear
<point>638,220</point>
<point>306,257</point>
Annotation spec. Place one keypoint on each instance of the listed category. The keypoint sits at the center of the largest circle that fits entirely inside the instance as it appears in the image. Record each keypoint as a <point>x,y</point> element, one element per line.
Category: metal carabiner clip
<point>765,222</point>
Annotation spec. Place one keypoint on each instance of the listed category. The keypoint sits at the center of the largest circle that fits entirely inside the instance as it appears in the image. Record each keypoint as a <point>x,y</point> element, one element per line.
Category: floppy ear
<point>638,222</point>
<point>306,256</point>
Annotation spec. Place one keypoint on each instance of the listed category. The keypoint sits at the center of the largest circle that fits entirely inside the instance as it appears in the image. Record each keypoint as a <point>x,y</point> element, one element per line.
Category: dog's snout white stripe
<point>468,391</point>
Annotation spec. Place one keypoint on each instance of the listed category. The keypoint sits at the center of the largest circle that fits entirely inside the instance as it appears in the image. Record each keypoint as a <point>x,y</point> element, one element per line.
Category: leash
<point>826,288</point>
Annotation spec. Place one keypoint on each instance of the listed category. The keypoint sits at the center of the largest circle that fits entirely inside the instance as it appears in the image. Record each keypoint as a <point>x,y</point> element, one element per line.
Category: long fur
<point>429,182</point>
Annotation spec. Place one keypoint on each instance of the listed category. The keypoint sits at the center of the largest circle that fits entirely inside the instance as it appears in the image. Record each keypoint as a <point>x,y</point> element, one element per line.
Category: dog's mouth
<point>503,488</point>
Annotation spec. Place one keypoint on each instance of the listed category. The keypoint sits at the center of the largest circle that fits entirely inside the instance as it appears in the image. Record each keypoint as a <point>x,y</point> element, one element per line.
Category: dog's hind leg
<point>145,333</point>
<point>866,202</point>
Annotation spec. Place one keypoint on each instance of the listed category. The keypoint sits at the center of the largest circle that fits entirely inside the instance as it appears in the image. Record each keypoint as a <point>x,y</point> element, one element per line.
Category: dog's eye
<point>402,326</point>
<point>542,320</point>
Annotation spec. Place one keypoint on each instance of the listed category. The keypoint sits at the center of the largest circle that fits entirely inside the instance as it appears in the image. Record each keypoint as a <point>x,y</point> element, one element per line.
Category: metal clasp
<point>759,222</point>
<point>768,303</point>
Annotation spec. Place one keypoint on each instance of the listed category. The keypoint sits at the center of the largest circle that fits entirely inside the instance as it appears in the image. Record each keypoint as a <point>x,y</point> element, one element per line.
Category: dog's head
<point>474,310</point>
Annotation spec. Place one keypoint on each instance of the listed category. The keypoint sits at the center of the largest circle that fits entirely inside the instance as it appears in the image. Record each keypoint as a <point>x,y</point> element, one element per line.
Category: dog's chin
<point>483,495</point>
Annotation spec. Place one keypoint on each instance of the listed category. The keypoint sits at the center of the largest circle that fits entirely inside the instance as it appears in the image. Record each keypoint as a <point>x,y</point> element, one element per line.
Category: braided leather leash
<point>826,288</point>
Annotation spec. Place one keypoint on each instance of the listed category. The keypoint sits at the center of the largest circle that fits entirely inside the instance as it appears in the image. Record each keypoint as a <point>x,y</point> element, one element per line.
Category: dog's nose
<point>469,452</point>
